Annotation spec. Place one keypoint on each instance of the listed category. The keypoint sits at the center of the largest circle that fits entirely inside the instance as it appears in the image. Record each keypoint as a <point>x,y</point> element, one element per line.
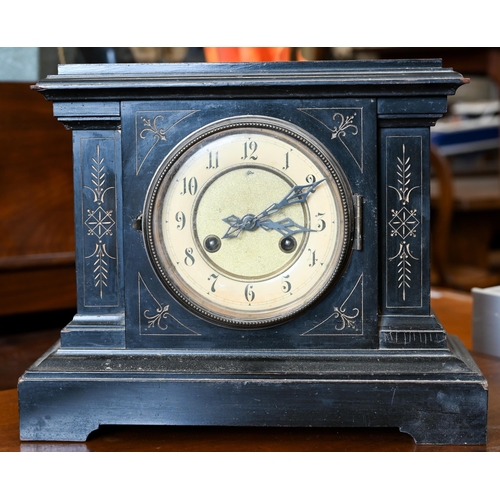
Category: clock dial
<point>248,222</point>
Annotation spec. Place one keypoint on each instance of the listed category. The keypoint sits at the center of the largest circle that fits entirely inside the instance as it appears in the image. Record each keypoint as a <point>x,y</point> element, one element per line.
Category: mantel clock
<point>253,249</point>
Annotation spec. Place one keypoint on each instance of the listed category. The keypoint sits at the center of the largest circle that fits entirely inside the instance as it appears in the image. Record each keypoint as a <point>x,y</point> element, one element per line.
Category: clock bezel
<point>171,164</point>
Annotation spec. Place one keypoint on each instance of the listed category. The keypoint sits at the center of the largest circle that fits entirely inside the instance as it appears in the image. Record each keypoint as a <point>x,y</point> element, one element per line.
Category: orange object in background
<point>247,54</point>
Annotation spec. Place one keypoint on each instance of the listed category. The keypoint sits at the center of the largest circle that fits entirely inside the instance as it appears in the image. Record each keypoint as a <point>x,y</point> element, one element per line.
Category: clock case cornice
<point>277,79</point>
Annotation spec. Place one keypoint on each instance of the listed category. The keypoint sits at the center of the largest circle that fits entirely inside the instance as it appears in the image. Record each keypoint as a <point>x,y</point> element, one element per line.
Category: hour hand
<point>235,226</point>
<point>286,227</point>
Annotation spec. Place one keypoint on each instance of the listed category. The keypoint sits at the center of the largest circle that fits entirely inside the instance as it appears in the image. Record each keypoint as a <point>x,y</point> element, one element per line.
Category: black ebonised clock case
<point>370,353</point>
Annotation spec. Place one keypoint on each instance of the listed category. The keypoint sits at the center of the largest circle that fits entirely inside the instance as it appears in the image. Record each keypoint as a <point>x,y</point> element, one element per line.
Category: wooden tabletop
<point>454,309</point>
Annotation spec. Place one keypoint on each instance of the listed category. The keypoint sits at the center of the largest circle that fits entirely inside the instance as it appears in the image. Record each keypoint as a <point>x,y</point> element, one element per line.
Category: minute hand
<point>297,194</point>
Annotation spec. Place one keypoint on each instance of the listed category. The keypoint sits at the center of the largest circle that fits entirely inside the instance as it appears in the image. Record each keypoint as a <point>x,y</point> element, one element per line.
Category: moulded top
<point>247,80</point>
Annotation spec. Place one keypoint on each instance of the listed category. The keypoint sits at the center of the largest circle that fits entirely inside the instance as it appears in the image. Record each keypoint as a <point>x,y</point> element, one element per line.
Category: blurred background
<point>37,273</point>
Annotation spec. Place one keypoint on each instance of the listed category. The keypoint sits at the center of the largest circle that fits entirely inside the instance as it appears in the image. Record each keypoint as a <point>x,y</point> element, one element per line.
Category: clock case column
<point>418,378</point>
<point>100,318</point>
<point>406,320</point>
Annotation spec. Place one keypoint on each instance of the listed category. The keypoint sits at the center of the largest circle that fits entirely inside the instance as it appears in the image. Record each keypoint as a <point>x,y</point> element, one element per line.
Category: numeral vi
<point>249,293</point>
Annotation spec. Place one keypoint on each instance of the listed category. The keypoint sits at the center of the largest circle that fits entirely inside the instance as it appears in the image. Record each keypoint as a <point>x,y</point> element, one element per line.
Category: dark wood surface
<point>454,309</point>
<point>24,338</point>
<point>37,271</point>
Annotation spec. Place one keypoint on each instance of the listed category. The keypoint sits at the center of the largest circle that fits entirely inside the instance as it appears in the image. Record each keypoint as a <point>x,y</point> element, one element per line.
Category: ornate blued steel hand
<point>286,227</point>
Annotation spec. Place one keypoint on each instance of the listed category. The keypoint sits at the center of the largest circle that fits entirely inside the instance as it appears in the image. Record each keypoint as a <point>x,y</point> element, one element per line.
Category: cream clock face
<point>248,222</point>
